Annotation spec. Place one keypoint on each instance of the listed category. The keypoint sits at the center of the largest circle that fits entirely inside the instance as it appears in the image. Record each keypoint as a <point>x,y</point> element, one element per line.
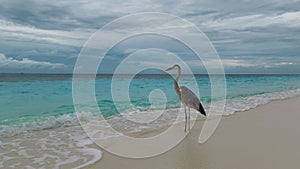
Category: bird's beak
<point>169,69</point>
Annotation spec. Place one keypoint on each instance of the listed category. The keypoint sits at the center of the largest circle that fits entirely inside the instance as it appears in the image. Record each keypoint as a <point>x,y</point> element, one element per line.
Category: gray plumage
<point>189,98</point>
<point>186,96</point>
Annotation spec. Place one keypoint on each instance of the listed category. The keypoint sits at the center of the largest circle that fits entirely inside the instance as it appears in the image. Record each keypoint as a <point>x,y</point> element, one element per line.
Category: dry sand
<point>267,137</point>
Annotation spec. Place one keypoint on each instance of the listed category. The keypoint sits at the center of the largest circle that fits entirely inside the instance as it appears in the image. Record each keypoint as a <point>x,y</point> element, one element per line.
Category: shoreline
<point>233,106</point>
<point>254,134</point>
<point>262,137</point>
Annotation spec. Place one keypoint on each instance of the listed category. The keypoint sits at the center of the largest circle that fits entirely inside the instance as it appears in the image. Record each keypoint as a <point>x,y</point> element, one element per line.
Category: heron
<point>187,97</point>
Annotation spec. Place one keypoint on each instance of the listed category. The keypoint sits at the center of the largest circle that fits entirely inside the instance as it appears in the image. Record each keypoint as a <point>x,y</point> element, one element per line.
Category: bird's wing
<point>189,98</point>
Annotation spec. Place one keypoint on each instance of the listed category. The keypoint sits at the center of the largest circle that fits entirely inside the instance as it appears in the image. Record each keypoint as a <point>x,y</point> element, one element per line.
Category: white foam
<point>65,120</point>
<point>246,103</point>
<point>122,124</point>
<point>142,117</point>
<point>97,155</point>
<point>232,106</point>
<point>53,148</point>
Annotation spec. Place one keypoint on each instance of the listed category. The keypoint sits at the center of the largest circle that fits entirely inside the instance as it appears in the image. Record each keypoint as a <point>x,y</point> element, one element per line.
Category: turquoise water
<point>34,99</point>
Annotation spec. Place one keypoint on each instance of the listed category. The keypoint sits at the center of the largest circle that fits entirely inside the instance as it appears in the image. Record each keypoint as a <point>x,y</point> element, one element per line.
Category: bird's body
<point>187,97</point>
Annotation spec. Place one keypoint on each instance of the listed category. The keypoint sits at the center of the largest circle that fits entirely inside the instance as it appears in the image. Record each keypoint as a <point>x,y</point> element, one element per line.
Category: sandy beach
<point>265,137</point>
<point>111,84</point>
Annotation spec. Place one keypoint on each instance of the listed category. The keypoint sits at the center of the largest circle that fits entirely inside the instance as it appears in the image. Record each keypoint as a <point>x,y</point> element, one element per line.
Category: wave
<point>58,142</point>
<point>59,148</point>
<point>44,123</point>
<point>140,121</point>
<point>250,102</point>
<point>232,106</point>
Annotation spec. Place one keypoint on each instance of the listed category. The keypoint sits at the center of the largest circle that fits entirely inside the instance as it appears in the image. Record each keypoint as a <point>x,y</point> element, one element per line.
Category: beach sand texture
<point>266,137</point>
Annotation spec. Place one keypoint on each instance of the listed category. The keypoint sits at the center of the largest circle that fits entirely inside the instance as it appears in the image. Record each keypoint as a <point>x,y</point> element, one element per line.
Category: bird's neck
<point>176,86</point>
<point>177,89</point>
<point>178,74</point>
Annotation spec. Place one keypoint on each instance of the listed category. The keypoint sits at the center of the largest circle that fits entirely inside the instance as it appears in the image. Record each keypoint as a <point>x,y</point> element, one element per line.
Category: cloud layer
<point>250,36</point>
<point>26,65</point>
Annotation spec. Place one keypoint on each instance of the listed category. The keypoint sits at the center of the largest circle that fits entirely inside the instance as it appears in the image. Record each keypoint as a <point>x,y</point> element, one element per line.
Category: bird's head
<point>173,67</point>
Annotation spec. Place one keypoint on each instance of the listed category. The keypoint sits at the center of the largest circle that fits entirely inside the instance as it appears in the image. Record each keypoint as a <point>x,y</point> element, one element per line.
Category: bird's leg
<point>189,114</point>
<point>185,119</point>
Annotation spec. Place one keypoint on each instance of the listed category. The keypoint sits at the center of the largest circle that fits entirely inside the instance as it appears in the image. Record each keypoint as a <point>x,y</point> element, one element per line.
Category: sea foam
<point>246,103</point>
<point>161,118</point>
<point>63,147</point>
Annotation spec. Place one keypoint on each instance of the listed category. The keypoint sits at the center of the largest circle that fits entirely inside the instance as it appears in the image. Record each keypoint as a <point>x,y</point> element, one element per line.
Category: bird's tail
<point>201,109</point>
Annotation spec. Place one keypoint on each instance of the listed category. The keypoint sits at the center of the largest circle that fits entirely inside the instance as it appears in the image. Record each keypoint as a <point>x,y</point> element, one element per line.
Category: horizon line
<point>147,74</point>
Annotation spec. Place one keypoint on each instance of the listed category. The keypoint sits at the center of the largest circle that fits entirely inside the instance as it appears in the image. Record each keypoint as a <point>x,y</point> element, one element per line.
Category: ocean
<point>39,107</point>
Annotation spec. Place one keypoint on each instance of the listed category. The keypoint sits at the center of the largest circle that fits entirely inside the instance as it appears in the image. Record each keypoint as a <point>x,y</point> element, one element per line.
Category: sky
<point>41,36</point>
